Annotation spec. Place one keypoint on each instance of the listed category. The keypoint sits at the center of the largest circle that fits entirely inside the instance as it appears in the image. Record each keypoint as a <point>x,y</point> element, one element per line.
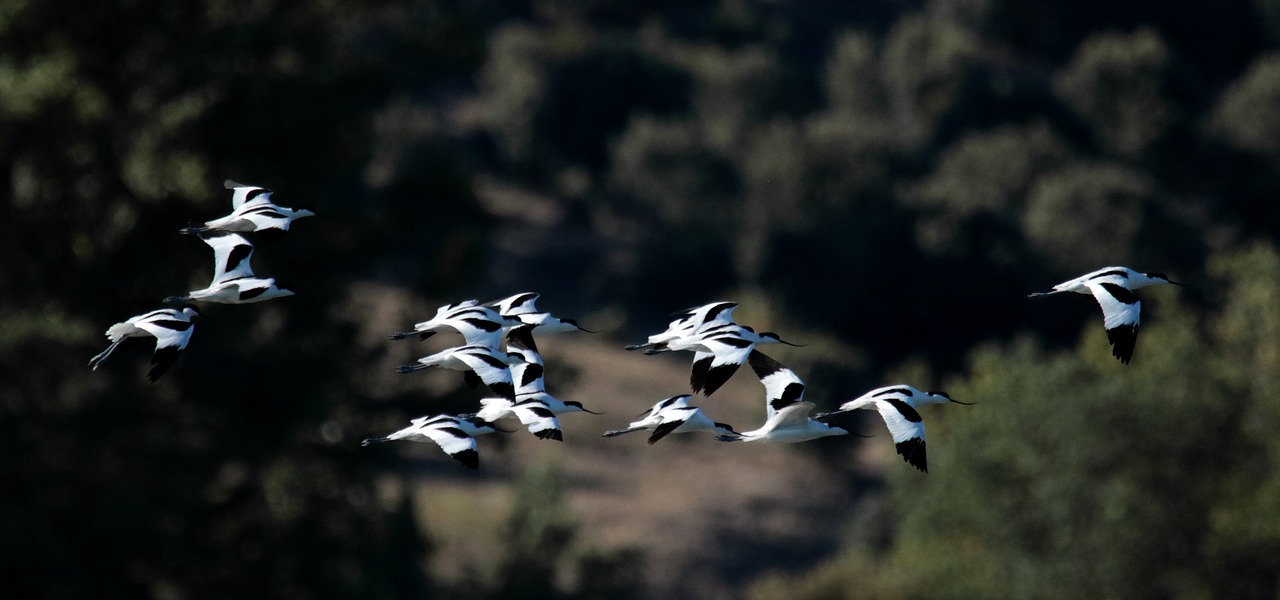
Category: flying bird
<point>522,307</point>
<point>689,321</point>
<point>528,374</point>
<point>788,414</point>
<point>1113,288</point>
<point>479,325</point>
<point>233,278</point>
<point>252,211</point>
<point>477,363</point>
<point>456,435</point>
<point>719,349</point>
<point>532,412</point>
<point>897,405</point>
<point>673,415</point>
<point>172,328</point>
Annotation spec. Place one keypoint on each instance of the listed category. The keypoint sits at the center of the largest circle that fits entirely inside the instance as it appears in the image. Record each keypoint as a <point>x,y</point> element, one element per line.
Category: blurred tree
<point>1116,83</point>
<point>1087,215</point>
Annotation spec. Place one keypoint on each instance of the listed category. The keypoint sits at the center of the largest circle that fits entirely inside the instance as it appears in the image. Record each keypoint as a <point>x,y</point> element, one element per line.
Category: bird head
<point>578,406</point>
<point>948,398</point>
<point>1161,278</point>
<point>777,339</point>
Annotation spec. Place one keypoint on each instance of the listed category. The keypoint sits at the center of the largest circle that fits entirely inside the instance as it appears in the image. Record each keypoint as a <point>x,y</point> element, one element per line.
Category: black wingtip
<point>469,459</point>
<point>913,451</point>
<point>1123,339</point>
<point>550,434</point>
<point>716,377</point>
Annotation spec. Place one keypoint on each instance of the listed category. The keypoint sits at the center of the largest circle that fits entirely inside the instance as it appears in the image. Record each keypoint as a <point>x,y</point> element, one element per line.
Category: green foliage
<point>1116,83</point>
<point>1248,112</point>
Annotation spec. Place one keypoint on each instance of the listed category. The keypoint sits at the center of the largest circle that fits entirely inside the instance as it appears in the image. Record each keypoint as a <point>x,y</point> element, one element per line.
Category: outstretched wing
<point>519,304</point>
<point>241,193</point>
<point>907,428</point>
<point>491,370</point>
<point>455,442</point>
<point>782,386</point>
<point>1120,313</point>
<point>231,254</point>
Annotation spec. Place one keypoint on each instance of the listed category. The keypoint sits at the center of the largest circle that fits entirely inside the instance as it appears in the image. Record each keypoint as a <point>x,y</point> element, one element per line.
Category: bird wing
<point>231,254</point>
<point>241,193</point>
<point>172,330</point>
<point>907,428</point>
<point>782,386</point>
<point>491,369</point>
<point>795,415</point>
<point>264,215</point>
<point>710,371</point>
<point>527,377</point>
<point>1121,309</point>
<point>538,418</point>
<point>518,304</point>
<point>454,441</point>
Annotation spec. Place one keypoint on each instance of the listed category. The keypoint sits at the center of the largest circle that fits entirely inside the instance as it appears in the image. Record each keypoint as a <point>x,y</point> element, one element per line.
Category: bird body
<point>479,325</point>
<point>1113,288</point>
<point>488,364</point>
<point>673,415</point>
<point>455,435</point>
<point>252,211</point>
<point>897,405</point>
<point>172,328</point>
<point>791,424</point>
<point>532,412</point>
<point>522,307</point>
<point>689,321</point>
<point>787,413</point>
<point>233,278</point>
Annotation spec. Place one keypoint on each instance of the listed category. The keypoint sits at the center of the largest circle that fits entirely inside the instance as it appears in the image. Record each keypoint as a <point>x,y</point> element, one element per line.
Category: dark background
<point>885,179</point>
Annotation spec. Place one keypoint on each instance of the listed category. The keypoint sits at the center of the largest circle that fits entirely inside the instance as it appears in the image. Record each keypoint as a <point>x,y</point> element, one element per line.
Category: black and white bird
<point>897,405</point>
<point>687,322</point>
<point>719,349</point>
<point>252,211</point>
<point>456,435</point>
<point>788,414</point>
<point>529,374</point>
<point>477,364</point>
<point>479,325</point>
<point>233,278</point>
<point>522,307</point>
<point>172,328</point>
<point>532,412</point>
<point>1113,288</point>
<point>673,415</point>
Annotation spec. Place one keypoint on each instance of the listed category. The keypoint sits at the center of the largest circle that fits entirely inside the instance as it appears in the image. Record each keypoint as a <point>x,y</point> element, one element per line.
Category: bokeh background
<point>882,180</point>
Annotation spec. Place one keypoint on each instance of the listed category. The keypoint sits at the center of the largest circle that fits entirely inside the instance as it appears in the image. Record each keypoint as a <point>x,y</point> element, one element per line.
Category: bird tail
<point>101,356</point>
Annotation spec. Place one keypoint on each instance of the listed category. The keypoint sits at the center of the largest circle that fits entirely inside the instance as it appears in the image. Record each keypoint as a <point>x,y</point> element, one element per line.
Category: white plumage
<point>233,278</point>
<point>172,328</point>
<point>454,435</point>
<point>1113,288</point>
<point>489,365</point>
<point>252,211</point>
<point>897,406</point>
<point>673,415</point>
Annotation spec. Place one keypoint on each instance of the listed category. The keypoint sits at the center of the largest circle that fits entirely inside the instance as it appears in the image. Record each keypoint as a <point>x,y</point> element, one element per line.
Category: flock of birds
<point>252,212</point>
<point>501,354</point>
